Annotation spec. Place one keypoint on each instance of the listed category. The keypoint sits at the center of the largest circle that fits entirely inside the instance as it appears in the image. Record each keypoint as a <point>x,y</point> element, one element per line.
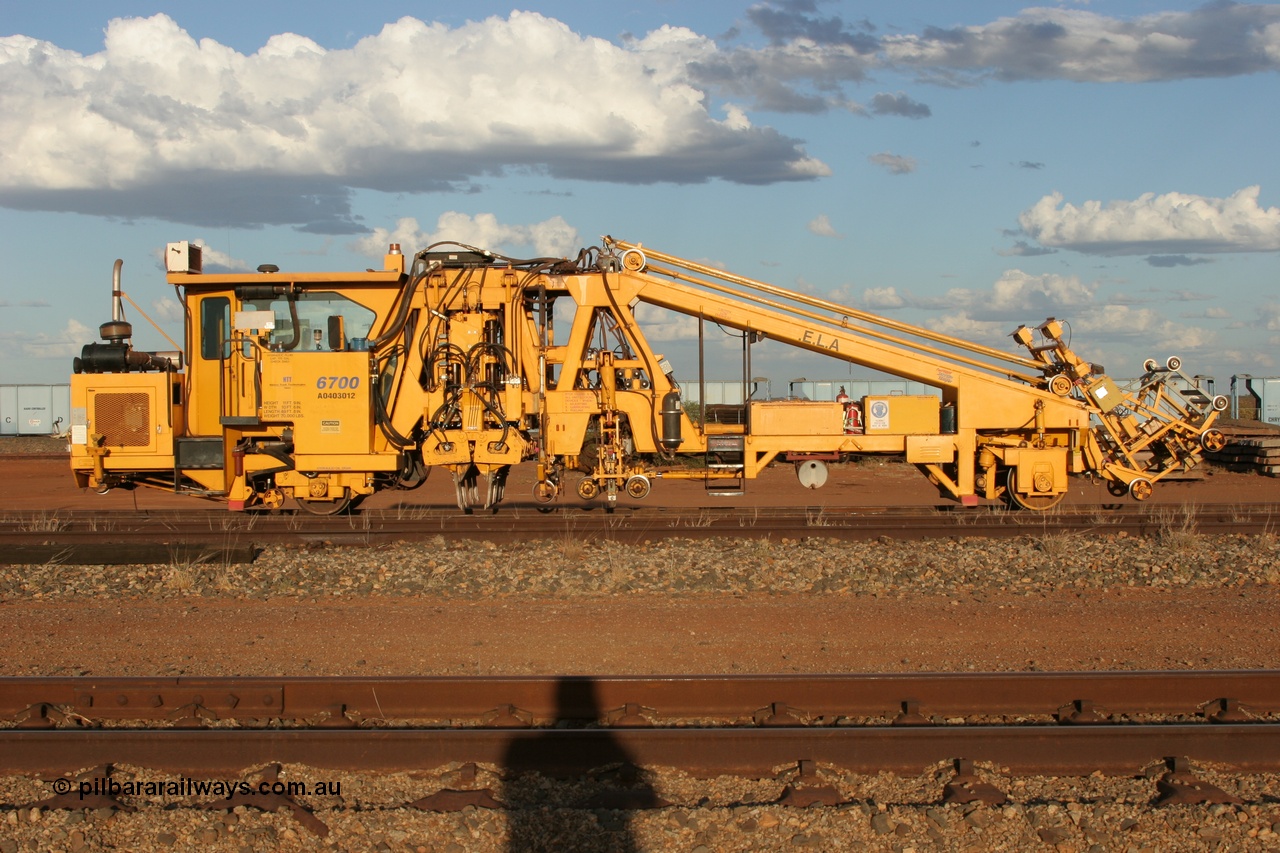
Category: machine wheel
<point>638,486</point>
<point>1174,363</point>
<point>272,499</point>
<point>1150,365</point>
<point>588,489</point>
<point>1213,440</point>
<point>412,476</point>
<point>1060,385</point>
<point>545,491</point>
<point>1117,488</point>
<point>1220,403</point>
<point>326,507</point>
<point>1140,489</point>
<point>1035,503</point>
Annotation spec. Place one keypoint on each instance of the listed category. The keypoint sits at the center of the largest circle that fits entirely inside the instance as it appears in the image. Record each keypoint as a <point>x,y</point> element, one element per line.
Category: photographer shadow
<point>591,808</point>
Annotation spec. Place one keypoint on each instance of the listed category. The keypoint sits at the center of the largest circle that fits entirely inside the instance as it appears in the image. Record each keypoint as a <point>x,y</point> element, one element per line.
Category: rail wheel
<point>1035,503</point>
<point>412,474</point>
<point>588,489</point>
<point>545,491</point>
<point>272,499</point>
<point>1213,440</point>
<point>1141,489</point>
<point>1117,488</point>
<point>638,486</point>
<point>334,507</point>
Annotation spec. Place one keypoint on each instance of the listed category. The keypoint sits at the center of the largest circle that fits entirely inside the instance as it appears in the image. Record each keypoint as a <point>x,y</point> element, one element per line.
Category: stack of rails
<point>1250,448</point>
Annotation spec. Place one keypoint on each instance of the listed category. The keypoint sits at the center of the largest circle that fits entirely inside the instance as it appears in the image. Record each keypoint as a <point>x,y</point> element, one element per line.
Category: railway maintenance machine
<point>322,388</point>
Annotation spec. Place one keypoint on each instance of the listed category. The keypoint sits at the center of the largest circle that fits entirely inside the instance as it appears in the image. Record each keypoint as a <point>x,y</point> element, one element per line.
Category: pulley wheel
<point>634,260</point>
<point>1060,385</point>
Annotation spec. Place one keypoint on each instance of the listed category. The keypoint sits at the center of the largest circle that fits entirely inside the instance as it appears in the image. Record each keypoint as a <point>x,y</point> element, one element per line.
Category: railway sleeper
<point>1178,787</point>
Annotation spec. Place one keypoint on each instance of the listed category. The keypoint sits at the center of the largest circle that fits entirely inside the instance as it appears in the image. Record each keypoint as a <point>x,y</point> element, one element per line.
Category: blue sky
<point>964,167</point>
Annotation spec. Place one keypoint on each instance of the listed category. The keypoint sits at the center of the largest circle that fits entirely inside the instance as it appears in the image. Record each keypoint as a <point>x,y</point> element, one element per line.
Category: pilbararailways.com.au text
<point>185,787</point>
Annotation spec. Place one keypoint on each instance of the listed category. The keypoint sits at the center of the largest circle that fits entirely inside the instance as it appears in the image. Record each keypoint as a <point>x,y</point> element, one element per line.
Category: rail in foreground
<point>1042,723</point>
<point>485,745</point>
<point>86,538</point>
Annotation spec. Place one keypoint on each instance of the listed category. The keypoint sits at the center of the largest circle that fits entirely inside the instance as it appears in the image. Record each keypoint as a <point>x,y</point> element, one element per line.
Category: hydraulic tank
<point>672,412</point>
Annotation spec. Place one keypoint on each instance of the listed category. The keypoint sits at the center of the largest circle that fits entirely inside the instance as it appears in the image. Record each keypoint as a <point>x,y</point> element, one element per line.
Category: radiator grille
<point>125,419</point>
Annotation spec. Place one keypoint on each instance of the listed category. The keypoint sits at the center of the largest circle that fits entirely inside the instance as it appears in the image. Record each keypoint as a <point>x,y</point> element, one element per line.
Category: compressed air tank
<point>672,412</point>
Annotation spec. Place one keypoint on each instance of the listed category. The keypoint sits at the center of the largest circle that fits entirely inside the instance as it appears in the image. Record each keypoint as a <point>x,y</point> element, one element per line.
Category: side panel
<point>131,411</point>
<point>324,395</point>
<point>35,409</point>
<point>931,449</point>
<point>916,415</point>
<point>1270,388</point>
<point>797,418</point>
<point>8,409</point>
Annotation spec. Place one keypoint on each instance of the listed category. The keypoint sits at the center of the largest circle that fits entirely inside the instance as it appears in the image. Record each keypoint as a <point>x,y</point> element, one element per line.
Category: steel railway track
<point>78,537</point>
<point>1030,723</point>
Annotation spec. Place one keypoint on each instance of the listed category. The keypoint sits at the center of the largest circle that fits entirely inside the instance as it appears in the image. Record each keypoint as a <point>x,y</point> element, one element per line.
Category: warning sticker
<point>878,415</point>
<point>331,427</point>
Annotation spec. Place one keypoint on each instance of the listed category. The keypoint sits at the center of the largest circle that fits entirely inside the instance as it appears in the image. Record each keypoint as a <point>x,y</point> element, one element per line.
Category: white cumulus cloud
<point>894,164</point>
<point>1016,295</point>
<point>1217,40</point>
<point>883,298</point>
<point>821,225</point>
<point>1172,223</point>
<point>550,238</point>
<point>283,135</point>
<point>64,344</point>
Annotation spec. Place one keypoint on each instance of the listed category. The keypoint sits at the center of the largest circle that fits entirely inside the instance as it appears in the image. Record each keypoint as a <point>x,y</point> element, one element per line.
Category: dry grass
<point>571,548</point>
<point>43,522</point>
<point>1060,546</point>
<point>1177,527</point>
<point>817,519</point>
<point>183,572</point>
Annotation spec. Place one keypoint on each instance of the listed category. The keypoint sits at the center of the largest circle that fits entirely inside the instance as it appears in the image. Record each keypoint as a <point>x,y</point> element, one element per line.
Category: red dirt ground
<point>1068,630</point>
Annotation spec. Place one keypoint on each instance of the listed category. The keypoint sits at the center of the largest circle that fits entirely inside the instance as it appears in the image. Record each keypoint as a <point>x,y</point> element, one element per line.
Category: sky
<point>964,167</point>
